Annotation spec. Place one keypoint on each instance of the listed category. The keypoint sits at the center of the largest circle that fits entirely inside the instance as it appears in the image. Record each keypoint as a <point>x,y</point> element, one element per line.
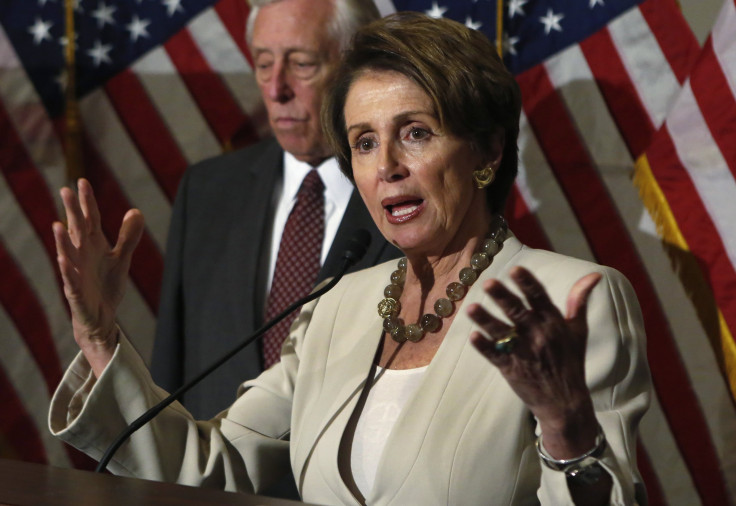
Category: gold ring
<point>507,343</point>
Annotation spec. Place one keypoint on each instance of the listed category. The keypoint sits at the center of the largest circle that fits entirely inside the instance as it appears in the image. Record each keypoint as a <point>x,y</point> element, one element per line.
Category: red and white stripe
<point>592,109</point>
<point>693,160</point>
<point>141,130</point>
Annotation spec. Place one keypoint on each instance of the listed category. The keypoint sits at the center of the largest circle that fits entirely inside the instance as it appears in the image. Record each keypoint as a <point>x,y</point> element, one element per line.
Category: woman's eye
<point>417,134</point>
<point>364,144</point>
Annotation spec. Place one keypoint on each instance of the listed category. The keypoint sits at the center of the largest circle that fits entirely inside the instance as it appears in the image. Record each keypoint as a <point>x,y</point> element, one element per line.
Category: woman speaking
<point>473,371</point>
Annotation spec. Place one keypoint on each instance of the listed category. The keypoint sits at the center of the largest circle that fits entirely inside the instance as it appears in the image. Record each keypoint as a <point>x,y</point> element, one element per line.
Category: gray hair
<point>347,18</point>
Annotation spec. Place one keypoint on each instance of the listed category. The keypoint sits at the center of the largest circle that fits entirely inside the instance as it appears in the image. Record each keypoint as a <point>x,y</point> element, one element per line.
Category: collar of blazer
<point>354,330</point>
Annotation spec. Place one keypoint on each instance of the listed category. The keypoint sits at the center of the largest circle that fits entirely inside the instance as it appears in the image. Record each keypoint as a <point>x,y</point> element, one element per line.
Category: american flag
<point>687,179</point>
<point>161,84</point>
<point>598,80</point>
<point>165,83</point>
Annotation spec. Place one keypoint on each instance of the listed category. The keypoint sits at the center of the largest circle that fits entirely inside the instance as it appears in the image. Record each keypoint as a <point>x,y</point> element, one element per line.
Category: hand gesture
<point>544,358</point>
<point>94,274</point>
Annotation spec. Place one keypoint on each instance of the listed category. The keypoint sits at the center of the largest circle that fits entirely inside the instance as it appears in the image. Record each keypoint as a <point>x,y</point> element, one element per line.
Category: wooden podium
<point>26,484</point>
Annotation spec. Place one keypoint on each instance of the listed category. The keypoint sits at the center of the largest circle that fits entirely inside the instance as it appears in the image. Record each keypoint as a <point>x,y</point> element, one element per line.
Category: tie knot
<point>312,184</point>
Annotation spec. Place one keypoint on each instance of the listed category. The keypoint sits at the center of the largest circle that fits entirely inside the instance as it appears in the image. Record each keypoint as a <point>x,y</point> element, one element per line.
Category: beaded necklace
<point>390,307</point>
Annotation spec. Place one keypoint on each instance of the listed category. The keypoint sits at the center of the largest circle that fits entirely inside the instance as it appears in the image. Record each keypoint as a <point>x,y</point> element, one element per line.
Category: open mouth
<point>400,210</point>
<point>403,208</point>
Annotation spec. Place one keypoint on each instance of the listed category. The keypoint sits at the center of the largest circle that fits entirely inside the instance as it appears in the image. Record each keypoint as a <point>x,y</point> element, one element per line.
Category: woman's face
<point>415,179</point>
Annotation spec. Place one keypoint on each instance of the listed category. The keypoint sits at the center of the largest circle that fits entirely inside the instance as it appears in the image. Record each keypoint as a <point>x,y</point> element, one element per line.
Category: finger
<point>577,299</point>
<point>64,252</point>
<point>89,206</point>
<point>509,303</point>
<point>489,323</point>
<point>64,246</point>
<point>487,348</point>
<point>534,291</point>
<point>130,235</point>
<point>74,215</point>
<point>69,276</point>
<point>495,330</point>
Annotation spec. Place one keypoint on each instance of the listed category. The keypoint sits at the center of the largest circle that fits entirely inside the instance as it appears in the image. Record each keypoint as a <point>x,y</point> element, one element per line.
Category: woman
<point>439,398</point>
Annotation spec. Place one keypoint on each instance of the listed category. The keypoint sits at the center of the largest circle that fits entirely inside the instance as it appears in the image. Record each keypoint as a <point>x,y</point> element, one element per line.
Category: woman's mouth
<point>400,211</point>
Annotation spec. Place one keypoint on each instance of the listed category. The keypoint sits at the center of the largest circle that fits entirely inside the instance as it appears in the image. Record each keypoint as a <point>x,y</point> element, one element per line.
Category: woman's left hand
<point>546,366</point>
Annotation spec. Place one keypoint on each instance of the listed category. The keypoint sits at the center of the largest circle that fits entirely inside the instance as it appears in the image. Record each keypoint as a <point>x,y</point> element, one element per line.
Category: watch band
<point>584,468</point>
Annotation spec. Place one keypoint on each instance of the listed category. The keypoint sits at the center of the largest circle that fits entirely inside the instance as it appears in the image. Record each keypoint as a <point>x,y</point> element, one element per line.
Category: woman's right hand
<point>94,274</point>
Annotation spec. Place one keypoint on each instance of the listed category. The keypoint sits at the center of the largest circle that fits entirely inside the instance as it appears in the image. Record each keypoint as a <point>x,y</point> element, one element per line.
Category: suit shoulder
<point>263,155</point>
<point>356,293</point>
<point>549,264</point>
<point>359,280</point>
<point>376,270</point>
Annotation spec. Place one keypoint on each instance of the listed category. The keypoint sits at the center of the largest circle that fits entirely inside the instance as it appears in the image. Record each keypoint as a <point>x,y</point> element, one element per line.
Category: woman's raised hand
<point>546,366</point>
<point>94,274</point>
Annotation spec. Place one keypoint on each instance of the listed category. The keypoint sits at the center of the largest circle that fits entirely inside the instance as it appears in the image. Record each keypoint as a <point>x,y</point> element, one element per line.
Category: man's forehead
<point>303,38</point>
<point>293,25</point>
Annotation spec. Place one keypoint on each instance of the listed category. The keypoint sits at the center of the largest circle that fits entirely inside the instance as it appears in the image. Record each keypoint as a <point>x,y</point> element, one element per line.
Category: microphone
<point>355,248</point>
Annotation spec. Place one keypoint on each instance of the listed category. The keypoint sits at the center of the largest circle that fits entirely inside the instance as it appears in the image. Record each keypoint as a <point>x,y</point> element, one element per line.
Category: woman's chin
<point>412,244</point>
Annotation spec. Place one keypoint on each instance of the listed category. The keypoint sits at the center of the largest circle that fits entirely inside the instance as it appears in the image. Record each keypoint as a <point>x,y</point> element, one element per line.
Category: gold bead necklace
<point>390,307</point>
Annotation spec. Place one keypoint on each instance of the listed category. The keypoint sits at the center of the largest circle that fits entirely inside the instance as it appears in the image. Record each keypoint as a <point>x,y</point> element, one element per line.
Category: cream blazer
<point>464,438</point>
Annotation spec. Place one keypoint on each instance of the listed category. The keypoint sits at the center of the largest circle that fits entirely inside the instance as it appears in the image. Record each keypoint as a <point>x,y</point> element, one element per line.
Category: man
<point>230,211</point>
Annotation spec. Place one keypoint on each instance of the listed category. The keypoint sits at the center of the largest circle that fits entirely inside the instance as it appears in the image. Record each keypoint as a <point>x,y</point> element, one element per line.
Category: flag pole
<point>73,151</point>
<point>499,28</point>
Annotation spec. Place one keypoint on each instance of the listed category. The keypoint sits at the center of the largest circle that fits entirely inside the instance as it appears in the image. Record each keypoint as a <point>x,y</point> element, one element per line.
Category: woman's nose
<point>390,166</point>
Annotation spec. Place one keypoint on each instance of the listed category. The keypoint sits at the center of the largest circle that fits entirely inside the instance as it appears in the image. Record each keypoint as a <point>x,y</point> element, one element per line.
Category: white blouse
<point>391,390</point>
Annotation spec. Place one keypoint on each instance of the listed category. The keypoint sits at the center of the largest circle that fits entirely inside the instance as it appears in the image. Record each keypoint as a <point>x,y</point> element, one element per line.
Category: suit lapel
<point>452,375</point>
<point>356,331</point>
<point>457,372</point>
<point>250,236</point>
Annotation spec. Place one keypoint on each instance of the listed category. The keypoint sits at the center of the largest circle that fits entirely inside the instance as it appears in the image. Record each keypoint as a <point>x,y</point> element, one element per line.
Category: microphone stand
<point>349,258</point>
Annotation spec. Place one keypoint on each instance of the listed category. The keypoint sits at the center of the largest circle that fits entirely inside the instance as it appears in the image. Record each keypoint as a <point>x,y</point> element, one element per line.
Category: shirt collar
<point>338,187</point>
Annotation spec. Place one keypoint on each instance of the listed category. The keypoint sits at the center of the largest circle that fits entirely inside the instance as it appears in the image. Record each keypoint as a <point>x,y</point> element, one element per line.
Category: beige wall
<point>701,14</point>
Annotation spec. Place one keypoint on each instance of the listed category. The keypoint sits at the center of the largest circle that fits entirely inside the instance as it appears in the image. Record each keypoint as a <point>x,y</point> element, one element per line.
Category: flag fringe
<point>688,270</point>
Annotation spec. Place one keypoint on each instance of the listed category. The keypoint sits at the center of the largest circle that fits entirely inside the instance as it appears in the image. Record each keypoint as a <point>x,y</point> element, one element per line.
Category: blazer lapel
<point>356,332</point>
<point>455,368</point>
<point>456,372</point>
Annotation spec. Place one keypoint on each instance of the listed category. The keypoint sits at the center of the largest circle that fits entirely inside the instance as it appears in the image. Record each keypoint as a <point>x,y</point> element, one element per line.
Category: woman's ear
<point>496,144</point>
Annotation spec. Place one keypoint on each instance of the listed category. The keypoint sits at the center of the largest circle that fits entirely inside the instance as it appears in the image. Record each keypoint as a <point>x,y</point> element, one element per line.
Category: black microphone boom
<point>355,248</point>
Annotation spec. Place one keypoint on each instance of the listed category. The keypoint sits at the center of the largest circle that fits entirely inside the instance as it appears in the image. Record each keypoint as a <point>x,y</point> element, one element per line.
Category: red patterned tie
<point>298,262</point>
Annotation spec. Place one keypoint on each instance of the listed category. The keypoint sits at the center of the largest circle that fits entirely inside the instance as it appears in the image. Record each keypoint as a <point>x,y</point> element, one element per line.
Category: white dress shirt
<point>338,190</point>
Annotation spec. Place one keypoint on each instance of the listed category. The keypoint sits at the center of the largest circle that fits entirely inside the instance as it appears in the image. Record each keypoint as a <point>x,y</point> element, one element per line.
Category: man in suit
<point>230,211</point>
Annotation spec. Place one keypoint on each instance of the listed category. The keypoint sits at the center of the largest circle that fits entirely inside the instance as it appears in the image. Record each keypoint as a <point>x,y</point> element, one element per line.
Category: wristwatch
<point>584,469</point>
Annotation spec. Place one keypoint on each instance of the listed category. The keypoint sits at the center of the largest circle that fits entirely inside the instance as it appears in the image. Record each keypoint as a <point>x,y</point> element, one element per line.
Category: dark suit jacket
<point>215,270</point>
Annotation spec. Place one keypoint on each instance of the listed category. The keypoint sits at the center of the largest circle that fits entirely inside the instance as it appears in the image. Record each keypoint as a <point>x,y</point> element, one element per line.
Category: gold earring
<point>483,177</point>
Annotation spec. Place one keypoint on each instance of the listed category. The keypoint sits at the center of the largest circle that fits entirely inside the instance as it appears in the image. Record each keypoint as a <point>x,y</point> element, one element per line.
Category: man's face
<point>294,55</point>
